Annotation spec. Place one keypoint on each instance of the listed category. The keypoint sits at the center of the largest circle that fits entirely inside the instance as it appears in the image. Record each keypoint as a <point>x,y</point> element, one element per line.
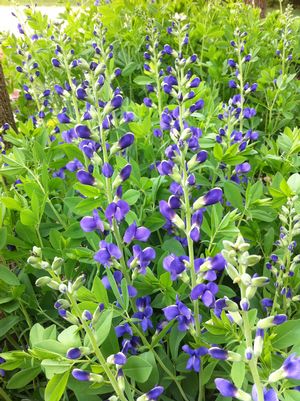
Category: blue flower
<point>134,232</point>
<point>175,265</point>
<point>269,395</point>
<point>117,210</point>
<point>144,313</point>
<point>194,361</point>
<point>89,223</point>
<point>181,313</point>
<point>141,258</point>
<point>107,253</point>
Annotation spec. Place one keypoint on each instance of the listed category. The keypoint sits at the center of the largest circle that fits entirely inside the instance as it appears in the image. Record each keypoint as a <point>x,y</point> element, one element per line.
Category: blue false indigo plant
<point>156,291</point>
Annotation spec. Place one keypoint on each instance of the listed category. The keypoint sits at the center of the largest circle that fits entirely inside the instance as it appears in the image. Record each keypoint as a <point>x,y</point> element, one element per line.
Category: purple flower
<point>148,102</point>
<point>226,388</point>
<point>197,106</point>
<point>136,233</point>
<point>168,49</point>
<point>195,82</point>
<point>116,101</point>
<point>210,198</point>
<point>107,253</point>
<point>141,258</point>
<point>249,112</point>
<point>89,224</point>
<point>85,177</point>
<point>63,118</point>
<point>81,93</point>
<point>125,172</point>
<point>126,140</point>
<point>242,168</point>
<point>202,156</point>
<point>166,210</point>
<point>218,353</point>
<point>82,131</point>
<point>197,219</point>
<point>107,170</point>
<point>231,63</point>
<point>123,329</point>
<point>117,210</point>
<point>117,359</point>
<point>55,62</point>
<point>165,167</point>
<point>144,313</point>
<point>269,395</point>
<point>194,361</point>
<point>59,90</point>
<point>81,375</point>
<point>291,367</point>
<point>206,292</point>
<point>73,353</point>
<point>128,116</point>
<point>180,312</point>
<point>153,394</point>
<point>175,265</point>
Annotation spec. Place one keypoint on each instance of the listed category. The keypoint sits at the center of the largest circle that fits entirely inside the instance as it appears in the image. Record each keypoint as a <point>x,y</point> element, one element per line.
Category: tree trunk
<point>262,4</point>
<point>6,114</point>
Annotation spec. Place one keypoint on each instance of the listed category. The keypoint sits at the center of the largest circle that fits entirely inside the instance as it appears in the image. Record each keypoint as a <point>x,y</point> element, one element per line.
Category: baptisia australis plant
<point>283,263</point>
<point>92,327</point>
<point>238,264</point>
<point>184,209</point>
<point>236,136</point>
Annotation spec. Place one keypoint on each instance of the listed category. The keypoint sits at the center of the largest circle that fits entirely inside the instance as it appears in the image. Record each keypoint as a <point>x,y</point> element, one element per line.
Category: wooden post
<point>262,4</point>
<point>6,114</point>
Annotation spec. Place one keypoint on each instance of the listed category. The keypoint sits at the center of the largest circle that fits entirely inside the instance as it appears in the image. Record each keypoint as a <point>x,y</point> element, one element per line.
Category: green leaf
<point>53,367</point>
<point>99,291</point>
<point>56,387</point>
<point>175,338</point>
<point>173,246</point>
<point>266,214</point>
<point>11,203</point>
<point>102,328</point>
<point>143,80</point>
<point>131,196</point>
<point>87,190</point>
<point>238,370</point>
<point>28,218</point>
<point>291,395</point>
<point>233,194</point>
<point>8,276</point>
<point>3,237</point>
<point>287,334</point>
<point>154,222</point>
<point>137,368</point>
<point>23,377</point>
<point>294,183</point>
<point>8,323</point>
<point>70,336</point>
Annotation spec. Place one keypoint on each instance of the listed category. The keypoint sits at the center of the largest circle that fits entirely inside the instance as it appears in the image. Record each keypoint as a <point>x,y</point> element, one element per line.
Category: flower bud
<point>42,281</point>
<point>271,321</point>
<point>57,263</point>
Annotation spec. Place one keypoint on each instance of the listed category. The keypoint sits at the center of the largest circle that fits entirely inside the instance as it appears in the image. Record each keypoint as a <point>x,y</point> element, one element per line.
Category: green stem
<point>74,99</point>
<point>4,396</point>
<point>241,79</point>
<point>97,352</point>
<point>253,361</point>
<point>157,357</point>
